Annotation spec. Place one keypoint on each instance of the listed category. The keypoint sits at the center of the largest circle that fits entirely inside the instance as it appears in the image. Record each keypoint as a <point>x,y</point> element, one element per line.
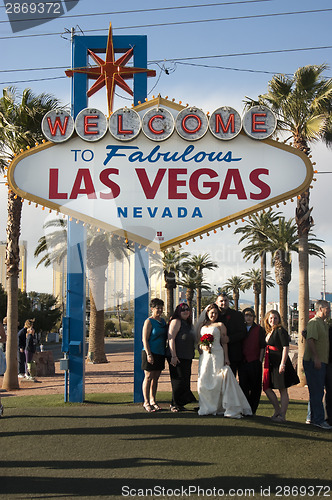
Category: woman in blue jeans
<point>315,360</point>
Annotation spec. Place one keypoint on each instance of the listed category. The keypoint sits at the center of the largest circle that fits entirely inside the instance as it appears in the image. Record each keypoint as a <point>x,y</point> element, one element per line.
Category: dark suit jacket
<point>22,338</point>
<point>236,331</point>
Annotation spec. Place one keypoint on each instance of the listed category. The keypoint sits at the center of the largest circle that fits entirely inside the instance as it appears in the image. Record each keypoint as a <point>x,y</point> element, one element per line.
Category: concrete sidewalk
<point>115,376</point>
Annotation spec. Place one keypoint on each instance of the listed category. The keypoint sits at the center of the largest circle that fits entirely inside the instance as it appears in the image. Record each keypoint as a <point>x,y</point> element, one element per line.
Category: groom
<point>236,330</point>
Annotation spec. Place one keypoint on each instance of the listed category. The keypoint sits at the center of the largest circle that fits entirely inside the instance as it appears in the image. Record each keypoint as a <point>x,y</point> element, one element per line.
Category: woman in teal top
<point>153,354</point>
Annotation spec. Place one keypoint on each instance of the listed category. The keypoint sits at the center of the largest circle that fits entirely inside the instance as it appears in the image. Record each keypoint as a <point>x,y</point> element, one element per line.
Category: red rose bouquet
<point>207,339</point>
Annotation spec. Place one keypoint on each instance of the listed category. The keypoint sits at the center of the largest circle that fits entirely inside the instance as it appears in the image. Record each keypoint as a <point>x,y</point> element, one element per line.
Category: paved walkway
<point>115,376</point>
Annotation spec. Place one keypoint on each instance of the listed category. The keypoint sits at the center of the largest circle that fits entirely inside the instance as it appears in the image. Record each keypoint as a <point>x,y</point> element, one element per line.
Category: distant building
<point>22,279</point>
<point>328,296</point>
<point>119,283</point>
<point>60,282</point>
<point>272,305</point>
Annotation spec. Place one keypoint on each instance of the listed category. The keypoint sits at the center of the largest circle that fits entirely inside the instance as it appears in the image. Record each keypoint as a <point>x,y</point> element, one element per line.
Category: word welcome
<point>158,124</point>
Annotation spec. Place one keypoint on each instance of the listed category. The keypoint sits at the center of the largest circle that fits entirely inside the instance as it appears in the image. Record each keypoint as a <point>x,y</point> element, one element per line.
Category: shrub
<point>109,328</point>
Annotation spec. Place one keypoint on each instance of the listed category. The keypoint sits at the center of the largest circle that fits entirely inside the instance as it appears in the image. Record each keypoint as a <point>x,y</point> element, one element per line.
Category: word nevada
<point>159,123</point>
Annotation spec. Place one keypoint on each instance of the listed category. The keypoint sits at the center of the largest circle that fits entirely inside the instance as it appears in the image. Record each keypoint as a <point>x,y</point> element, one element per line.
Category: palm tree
<point>282,240</point>
<point>172,261</point>
<point>253,279</point>
<point>235,285</point>
<point>254,231</point>
<point>194,266</point>
<point>99,247</point>
<point>20,127</point>
<point>302,104</point>
<point>192,283</point>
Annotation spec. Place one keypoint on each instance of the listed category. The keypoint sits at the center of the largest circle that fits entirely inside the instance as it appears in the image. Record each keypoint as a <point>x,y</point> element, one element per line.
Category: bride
<point>218,390</point>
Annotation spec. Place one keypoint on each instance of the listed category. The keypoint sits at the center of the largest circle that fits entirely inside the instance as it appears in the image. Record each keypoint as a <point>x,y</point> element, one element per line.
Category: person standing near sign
<point>328,382</point>
<point>2,349</point>
<point>315,361</point>
<point>219,393</point>
<point>2,337</point>
<point>3,359</point>
<point>236,330</point>
<point>22,339</point>
<point>181,344</point>
<point>279,372</point>
<point>250,372</point>
<point>154,337</point>
<point>30,349</point>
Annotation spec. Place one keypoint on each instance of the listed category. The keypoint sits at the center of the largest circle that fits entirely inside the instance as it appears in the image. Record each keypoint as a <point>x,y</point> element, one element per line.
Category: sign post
<point>75,326</point>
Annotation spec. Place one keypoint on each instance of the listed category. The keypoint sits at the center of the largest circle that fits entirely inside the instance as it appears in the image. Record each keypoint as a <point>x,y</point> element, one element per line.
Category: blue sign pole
<point>74,324</point>
<point>76,259</point>
<point>141,313</point>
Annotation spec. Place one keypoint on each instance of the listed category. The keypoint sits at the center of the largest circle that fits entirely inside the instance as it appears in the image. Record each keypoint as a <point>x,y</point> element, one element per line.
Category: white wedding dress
<point>219,393</point>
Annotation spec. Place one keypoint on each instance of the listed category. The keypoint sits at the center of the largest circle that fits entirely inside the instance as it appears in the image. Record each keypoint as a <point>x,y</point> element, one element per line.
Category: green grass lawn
<point>109,447</point>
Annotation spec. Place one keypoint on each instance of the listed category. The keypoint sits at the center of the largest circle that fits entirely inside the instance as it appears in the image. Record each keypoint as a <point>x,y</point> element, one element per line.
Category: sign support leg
<point>141,313</point>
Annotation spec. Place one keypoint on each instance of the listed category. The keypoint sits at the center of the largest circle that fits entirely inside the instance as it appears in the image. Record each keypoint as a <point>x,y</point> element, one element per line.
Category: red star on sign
<point>110,72</point>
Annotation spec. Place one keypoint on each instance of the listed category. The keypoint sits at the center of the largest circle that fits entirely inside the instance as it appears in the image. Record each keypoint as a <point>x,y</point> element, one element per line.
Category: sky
<point>209,54</point>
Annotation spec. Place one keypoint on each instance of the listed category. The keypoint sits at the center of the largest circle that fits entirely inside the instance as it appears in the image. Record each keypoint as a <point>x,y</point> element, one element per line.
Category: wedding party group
<point>237,357</point>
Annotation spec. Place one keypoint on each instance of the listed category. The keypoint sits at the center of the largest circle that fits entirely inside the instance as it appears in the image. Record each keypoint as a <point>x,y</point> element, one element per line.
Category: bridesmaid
<point>153,355</point>
<point>278,369</point>
<point>181,342</point>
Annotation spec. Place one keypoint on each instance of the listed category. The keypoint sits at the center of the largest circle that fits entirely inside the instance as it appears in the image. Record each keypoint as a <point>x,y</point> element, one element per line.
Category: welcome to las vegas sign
<point>159,173</point>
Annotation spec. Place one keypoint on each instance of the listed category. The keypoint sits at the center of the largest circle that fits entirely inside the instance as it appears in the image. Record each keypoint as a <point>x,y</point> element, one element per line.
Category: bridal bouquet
<point>207,339</point>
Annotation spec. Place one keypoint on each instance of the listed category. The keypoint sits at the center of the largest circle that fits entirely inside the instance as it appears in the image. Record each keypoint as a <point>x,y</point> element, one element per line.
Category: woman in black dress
<point>181,351</point>
<point>278,369</point>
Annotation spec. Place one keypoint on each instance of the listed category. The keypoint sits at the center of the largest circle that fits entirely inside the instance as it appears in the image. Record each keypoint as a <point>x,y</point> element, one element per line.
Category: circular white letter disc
<point>125,124</point>
<point>91,124</point>
<point>158,124</point>
<point>225,123</point>
<point>57,125</point>
<point>191,124</point>
<point>259,122</point>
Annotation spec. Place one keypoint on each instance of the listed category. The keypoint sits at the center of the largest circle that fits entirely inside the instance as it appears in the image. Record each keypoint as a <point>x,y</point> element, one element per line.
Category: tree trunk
<point>283,273</point>
<point>189,297</point>
<point>170,285</point>
<point>236,297</point>
<point>96,331</point>
<point>263,290</point>
<point>257,306</point>
<point>119,319</point>
<point>283,290</point>
<point>303,303</point>
<point>170,301</point>
<point>199,300</point>
<point>10,381</point>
